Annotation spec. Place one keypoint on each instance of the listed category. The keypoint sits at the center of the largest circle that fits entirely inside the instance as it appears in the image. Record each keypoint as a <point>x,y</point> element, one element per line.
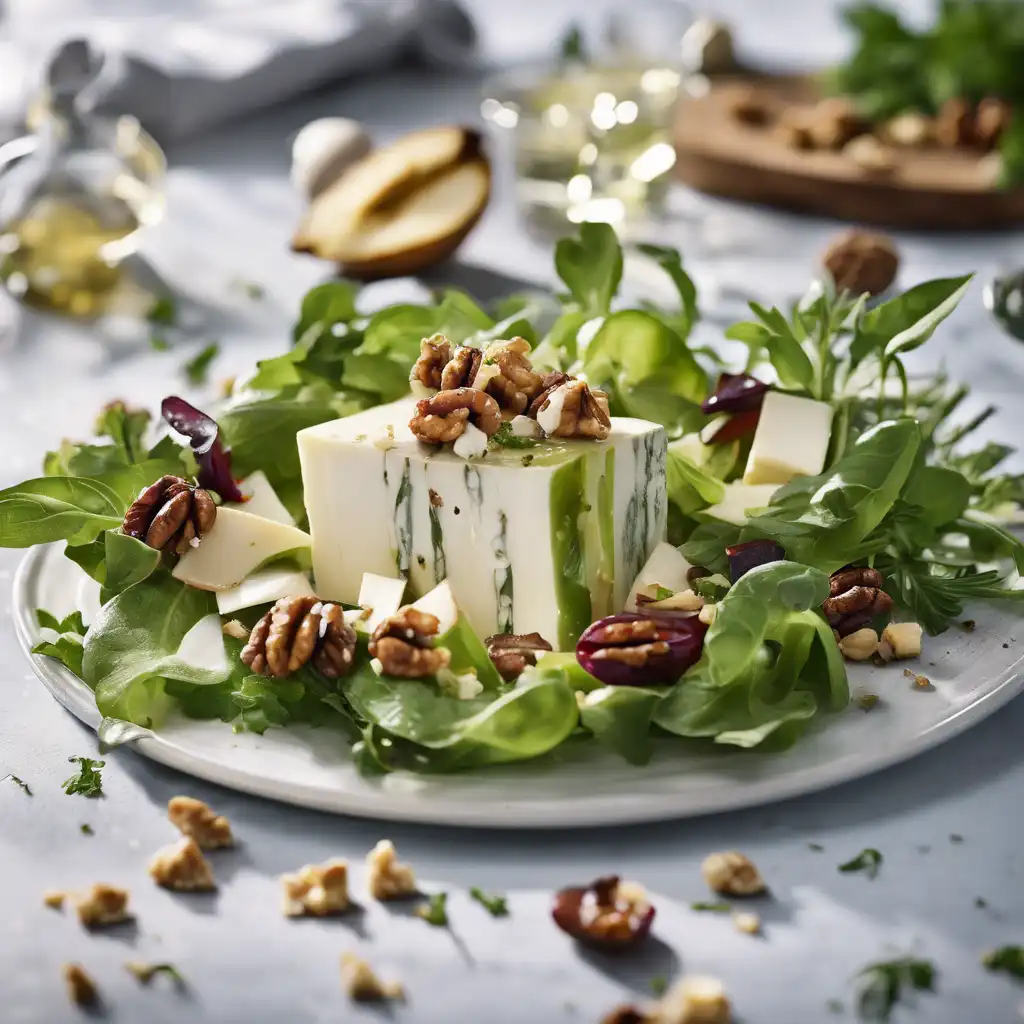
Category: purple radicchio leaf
<point>203,435</point>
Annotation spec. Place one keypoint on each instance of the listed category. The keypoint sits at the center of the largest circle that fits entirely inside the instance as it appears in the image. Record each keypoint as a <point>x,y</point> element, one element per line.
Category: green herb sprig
<point>881,986</point>
<point>435,910</point>
<point>88,781</point>
<point>496,905</point>
<point>868,861</point>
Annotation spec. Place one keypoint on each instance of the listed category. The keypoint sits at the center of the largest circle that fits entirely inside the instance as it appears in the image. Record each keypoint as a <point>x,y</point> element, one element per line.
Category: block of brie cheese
<point>544,539</point>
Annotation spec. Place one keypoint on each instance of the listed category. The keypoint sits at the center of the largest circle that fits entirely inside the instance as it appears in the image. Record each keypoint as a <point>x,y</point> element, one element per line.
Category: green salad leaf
<point>591,267</point>
<point>769,663</point>
<point>88,781</point>
<point>619,717</point>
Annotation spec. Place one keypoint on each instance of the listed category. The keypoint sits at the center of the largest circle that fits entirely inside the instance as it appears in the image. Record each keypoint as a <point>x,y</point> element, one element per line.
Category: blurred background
<point>175,176</point>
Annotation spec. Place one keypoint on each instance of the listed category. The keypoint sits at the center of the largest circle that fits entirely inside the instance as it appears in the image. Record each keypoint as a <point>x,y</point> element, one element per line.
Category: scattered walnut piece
<point>572,409</point>
<point>182,867</point>
<point>54,899</point>
<point>904,638</point>
<point>695,1000</point>
<point>102,905</point>
<point>516,383</point>
<point>512,654</point>
<point>732,874</point>
<point>920,682</point>
<point>683,601</point>
<point>317,890</point>
<point>462,368</point>
<point>235,629</point>
<point>862,261</point>
<point>192,817</point>
<point>362,984</point>
<point>386,878</point>
<point>81,988</point>
<point>860,645</point>
<point>870,155</point>
<point>443,417</point>
<point>750,107</point>
<point>747,923</point>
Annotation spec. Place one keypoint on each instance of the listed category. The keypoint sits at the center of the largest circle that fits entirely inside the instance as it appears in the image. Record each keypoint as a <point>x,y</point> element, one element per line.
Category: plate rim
<point>73,694</point>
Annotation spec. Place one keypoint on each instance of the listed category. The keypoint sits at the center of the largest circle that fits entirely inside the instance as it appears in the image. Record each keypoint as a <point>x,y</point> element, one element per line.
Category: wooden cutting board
<point>928,188</point>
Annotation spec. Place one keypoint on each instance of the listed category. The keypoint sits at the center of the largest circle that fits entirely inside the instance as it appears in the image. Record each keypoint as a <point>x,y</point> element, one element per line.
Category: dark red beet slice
<point>203,434</point>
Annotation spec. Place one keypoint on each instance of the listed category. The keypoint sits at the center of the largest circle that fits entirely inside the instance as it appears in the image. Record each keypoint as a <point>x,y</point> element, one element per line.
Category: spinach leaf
<point>417,727</point>
<point>67,649</point>
<point>137,641</point>
<point>769,662</point>
<point>75,509</point>
<point>591,267</point>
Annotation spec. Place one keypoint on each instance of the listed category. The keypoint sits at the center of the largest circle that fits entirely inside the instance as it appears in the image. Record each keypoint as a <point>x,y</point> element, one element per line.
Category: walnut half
<point>403,645</point>
<point>81,988</point>
<point>102,905</point>
<point>193,818</point>
<point>386,878</point>
<point>182,867</point>
<point>317,890</point>
<point>573,410</point>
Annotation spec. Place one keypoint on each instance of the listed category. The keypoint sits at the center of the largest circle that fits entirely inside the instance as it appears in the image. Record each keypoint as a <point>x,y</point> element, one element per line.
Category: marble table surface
<point>230,212</point>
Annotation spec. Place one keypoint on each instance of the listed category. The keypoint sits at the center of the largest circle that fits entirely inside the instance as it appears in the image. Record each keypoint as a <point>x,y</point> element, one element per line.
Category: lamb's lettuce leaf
<point>619,717</point>
<point>591,267</point>
<point>769,662</point>
<point>413,725</point>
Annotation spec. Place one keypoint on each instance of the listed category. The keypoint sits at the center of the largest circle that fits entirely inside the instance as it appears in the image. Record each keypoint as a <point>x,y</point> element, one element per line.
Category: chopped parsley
<point>163,311</point>
<point>1007,959</point>
<point>712,908</point>
<point>88,781</point>
<point>198,367</point>
<point>505,437</point>
<point>526,460</point>
<point>253,290</point>
<point>882,985</point>
<point>980,902</point>
<point>968,625</point>
<point>496,905</point>
<point>834,1006</point>
<point>86,829</point>
<point>867,860</point>
<point>435,910</point>
<point>955,837</point>
<point>146,972</point>
<point>816,847</point>
<point>158,343</point>
<point>659,985</point>
<point>20,783</point>
<point>867,701</point>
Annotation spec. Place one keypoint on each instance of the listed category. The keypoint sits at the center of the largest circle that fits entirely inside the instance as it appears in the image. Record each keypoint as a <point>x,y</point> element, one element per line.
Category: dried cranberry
<point>607,913</point>
<point>202,431</point>
<point>641,650</point>
<point>751,554</point>
<point>735,392</point>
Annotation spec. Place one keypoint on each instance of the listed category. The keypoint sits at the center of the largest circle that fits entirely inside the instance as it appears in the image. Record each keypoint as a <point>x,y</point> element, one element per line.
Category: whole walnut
<point>862,261</point>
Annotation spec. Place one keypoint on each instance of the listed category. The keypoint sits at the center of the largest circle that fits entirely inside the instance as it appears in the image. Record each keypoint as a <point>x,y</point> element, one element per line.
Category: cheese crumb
<point>54,899</point>
<point>386,441</point>
<point>317,890</point>
<point>707,614</point>
<point>235,629</point>
<point>182,867</point>
<point>386,878</point>
<point>749,924</point>
<point>523,426</point>
<point>102,905</point>
<point>549,417</point>
<point>194,818</point>
<point>471,443</point>
<point>362,984</point>
<point>462,687</point>
<point>81,988</point>
<point>683,601</point>
<point>484,376</point>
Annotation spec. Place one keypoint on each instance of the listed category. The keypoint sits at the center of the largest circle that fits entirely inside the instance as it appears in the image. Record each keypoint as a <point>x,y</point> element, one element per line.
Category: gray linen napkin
<point>185,67</point>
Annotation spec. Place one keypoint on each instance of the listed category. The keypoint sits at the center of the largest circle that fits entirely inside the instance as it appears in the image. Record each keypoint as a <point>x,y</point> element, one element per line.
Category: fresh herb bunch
<point>882,986</point>
<point>974,50</point>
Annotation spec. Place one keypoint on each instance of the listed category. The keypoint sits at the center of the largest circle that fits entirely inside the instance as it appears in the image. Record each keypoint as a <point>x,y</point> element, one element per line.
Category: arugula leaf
<point>435,910</point>
<point>69,624</point>
<point>67,649</point>
<point>769,662</point>
<point>57,508</point>
<point>88,781</point>
<point>867,860</point>
<point>1007,959</point>
<point>591,267</point>
<point>265,702</point>
<point>23,786</point>
<point>882,985</point>
<point>496,905</point>
<point>671,262</point>
<point>198,367</point>
<point>136,642</point>
<point>126,561</point>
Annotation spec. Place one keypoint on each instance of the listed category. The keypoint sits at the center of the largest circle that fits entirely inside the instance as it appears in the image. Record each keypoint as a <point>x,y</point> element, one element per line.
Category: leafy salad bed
<point>898,493</point>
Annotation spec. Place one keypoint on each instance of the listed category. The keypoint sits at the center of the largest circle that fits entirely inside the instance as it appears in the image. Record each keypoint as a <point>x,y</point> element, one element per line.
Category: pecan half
<point>632,643</point>
<point>434,355</point>
<point>512,654</point>
<point>444,416</point>
<point>170,514</point>
<point>856,598</point>
<point>518,383</point>
<point>461,369</point>
<point>583,413</point>
<point>298,630</point>
<point>403,645</point>
<point>862,261</point>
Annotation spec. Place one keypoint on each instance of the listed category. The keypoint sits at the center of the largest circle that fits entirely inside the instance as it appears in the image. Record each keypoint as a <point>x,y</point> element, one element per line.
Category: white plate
<point>973,675</point>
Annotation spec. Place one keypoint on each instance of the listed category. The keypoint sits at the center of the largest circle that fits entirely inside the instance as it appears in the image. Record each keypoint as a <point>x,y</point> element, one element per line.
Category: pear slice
<point>402,208</point>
